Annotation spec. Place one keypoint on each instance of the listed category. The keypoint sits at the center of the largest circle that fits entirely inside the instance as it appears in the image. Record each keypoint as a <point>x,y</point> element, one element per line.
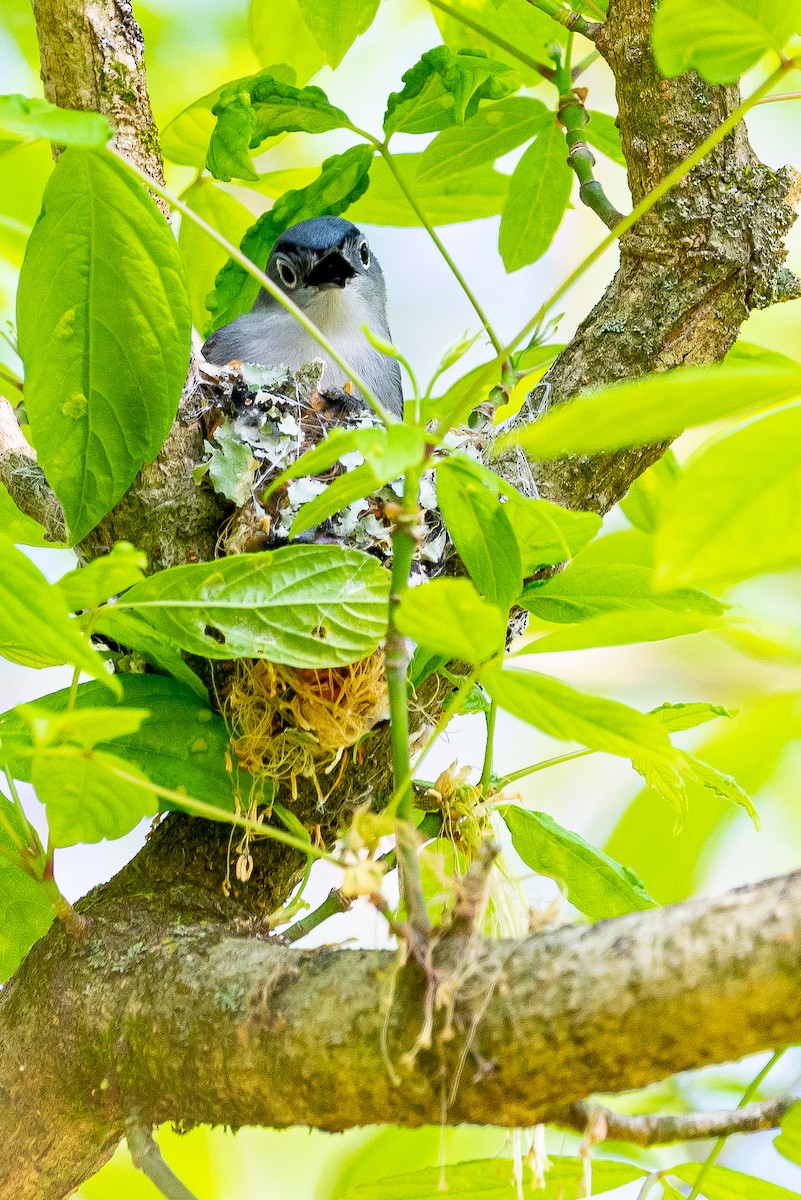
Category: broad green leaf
<point>693,770</point>
<point>675,717</point>
<point>335,26</point>
<point>722,1183</point>
<point>602,133</point>
<point>655,408</point>
<point>342,179</point>
<point>279,33</point>
<point>722,40</point>
<point>572,716</point>
<point>85,798</point>
<point>492,1179</point>
<point>90,586</point>
<point>35,626</point>
<point>17,526</point>
<point>492,132</point>
<point>387,453</point>
<point>449,617</point>
<point>306,606</point>
<point>623,627</point>
<point>455,406</point>
<point>104,332</point>
<point>31,117</point>
<point>128,631</point>
<point>597,885</point>
<point>481,533</point>
<point>185,139</point>
<point>203,258</point>
<point>749,749</point>
<point>749,354</point>
<point>788,1142</point>
<point>539,191</point>
<point>181,744</point>
<point>231,466</point>
<point>26,914</point>
<point>478,193</point>
<point>642,502</point>
<point>546,533</point>
<point>444,89</point>
<point>516,22</point>
<point>83,728</point>
<point>588,589</point>
<point>735,511</point>
<point>250,111</point>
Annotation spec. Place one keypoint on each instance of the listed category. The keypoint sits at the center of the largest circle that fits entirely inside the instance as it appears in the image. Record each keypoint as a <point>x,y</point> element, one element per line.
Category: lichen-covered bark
<point>692,268</point>
<point>196,1023</point>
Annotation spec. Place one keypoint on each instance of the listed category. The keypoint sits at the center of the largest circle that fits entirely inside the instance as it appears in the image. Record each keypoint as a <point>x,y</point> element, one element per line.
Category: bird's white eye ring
<point>364,254</point>
<point>286,272</point>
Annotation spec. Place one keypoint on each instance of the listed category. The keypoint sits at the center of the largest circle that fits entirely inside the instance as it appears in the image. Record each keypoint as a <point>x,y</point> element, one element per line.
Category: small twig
<point>660,1129</point>
<point>147,1157</point>
<point>572,21</point>
<point>334,903</point>
<point>573,115</point>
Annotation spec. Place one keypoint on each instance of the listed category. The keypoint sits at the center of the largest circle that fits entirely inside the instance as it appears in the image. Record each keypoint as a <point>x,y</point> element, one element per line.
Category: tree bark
<point>196,1024</point>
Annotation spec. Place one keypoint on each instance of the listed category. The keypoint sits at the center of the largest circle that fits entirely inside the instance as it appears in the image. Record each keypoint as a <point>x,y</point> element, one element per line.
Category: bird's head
<point>321,254</point>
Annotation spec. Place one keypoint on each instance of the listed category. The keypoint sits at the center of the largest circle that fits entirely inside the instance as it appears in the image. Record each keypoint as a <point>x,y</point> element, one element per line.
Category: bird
<point>326,266</point>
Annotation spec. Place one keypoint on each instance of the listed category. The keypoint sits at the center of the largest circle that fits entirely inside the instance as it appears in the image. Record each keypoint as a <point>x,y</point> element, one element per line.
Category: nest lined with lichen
<point>287,724</point>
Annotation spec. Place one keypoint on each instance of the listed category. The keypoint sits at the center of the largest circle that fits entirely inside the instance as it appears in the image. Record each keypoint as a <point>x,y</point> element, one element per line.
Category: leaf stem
<point>746,1097</point>
<point>486,770</point>
<point>236,254</point>
<point>147,1158</point>
<point>470,22</point>
<point>653,197</point>
<point>541,766</point>
<point>396,660</point>
<point>76,675</point>
<point>10,379</point>
<point>389,159</point>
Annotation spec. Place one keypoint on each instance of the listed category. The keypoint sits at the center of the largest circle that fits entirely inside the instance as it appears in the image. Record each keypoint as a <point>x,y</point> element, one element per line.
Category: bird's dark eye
<point>286,273</point>
<point>364,254</point>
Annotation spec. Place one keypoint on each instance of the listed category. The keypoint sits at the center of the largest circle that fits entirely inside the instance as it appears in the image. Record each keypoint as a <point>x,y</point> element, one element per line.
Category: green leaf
<point>788,1142</point>
<point>35,627</point>
<point>26,914</point>
<point>387,453</point>
<point>104,332</point>
<point>444,89</point>
<point>180,745</point>
<point>477,193</point>
<point>185,139</point>
<point>722,1183</point>
<point>539,192</point>
<point>342,179</point>
<point>306,606</point>
<point>128,631</point>
<point>516,21</point>
<point>327,452</point>
<point>481,533</point>
<point>693,770</point>
<point>572,716</point>
<point>749,354</point>
<point>597,885</point>
<point>601,131</point>
<point>449,617</point>
<point>335,26</point>
<point>18,527</point>
<point>90,586</point>
<point>492,1179</point>
<point>279,33</point>
<point>492,132</point>
<point>455,406</point>
<point>675,717</point>
<point>655,408</point>
<point>29,118</point>
<point>643,501</point>
<point>251,110</point>
<point>734,512</point>
<point>722,40</point>
<point>623,627</point>
<point>85,798</point>
<point>203,258</point>
<point>231,466</point>
<point>546,533</point>
<point>589,589</point>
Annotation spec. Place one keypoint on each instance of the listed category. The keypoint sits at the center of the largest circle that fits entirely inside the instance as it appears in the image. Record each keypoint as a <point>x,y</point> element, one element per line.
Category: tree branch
<point>660,1129</point>
<point>238,1030</point>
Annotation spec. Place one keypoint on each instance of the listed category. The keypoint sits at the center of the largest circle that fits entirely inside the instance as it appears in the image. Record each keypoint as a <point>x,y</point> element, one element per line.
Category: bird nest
<point>289,724</point>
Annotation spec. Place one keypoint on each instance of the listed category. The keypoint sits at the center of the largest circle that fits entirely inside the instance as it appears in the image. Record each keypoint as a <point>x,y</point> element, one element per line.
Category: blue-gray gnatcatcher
<point>326,266</point>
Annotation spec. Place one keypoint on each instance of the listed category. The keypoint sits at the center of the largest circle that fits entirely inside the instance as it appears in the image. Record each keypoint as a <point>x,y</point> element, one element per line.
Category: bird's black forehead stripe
<point>318,235</point>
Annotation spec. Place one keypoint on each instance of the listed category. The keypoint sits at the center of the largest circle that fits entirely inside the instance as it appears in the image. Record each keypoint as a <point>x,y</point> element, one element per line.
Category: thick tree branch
<point>196,1024</point>
<point>660,1129</point>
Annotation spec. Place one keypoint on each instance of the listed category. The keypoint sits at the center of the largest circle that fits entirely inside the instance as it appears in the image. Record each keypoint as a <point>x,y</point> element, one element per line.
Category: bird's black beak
<point>333,270</point>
